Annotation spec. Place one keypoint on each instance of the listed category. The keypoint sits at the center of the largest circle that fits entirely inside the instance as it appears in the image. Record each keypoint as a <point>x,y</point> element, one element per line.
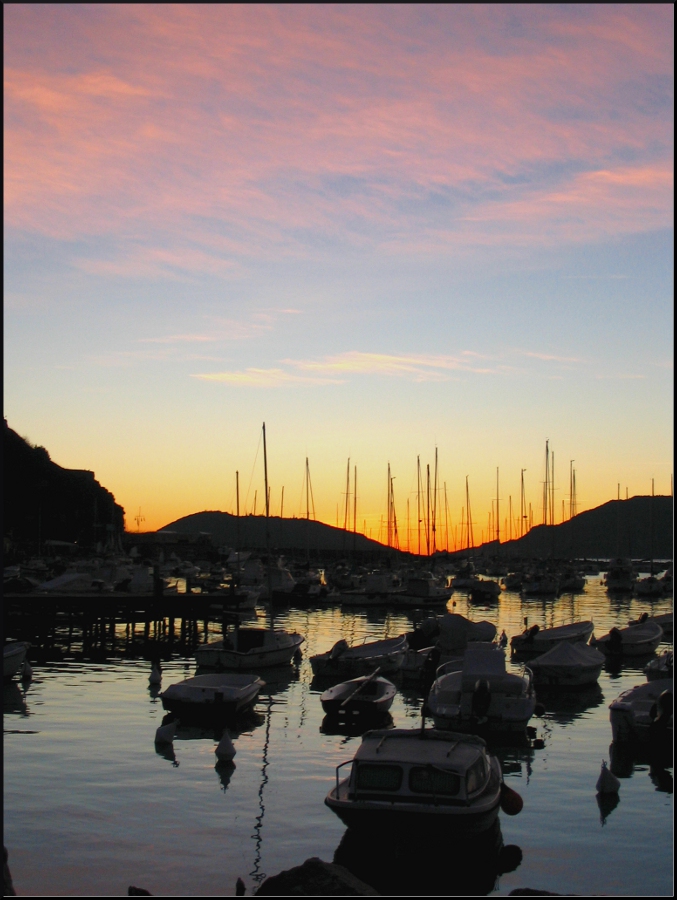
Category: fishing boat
<point>249,648</point>
<point>635,640</point>
<point>387,655</point>
<point>536,640</point>
<point>13,656</point>
<point>368,695</point>
<point>567,665</point>
<point>222,695</point>
<point>406,779</point>
<point>481,695</point>
<point>643,713</point>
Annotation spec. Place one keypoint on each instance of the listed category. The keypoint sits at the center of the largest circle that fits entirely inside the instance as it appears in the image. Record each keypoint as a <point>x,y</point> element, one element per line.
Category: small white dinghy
<point>664,620</point>
<point>249,648</point>
<point>224,694</point>
<point>539,640</point>
<point>635,640</point>
<point>387,655</point>
<point>368,695</point>
<point>567,665</point>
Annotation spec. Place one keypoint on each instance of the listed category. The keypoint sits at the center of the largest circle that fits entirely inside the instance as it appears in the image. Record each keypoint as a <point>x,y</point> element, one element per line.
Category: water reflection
<point>14,699</point>
<point>256,874</point>
<point>355,726</point>
<point>564,707</point>
<point>414,864</point>
<point>628,758</point>
<point>606,803</point>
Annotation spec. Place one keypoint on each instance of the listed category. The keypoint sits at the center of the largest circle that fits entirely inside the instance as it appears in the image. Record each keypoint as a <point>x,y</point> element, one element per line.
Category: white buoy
<point>166,733</point>
<point>155,676</point>
<point>225,750</point>
<point>607,783</point>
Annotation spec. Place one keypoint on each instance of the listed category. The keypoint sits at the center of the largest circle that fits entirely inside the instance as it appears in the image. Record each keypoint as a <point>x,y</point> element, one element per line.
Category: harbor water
<point>92,806</point>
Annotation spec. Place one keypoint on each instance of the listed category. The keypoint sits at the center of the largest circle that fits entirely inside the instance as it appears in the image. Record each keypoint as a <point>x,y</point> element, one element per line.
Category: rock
<point>8,887</point>
<point>315,878</point>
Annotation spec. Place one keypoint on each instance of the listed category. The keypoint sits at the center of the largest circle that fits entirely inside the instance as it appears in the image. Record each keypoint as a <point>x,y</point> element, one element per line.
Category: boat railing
<point>340,766</point>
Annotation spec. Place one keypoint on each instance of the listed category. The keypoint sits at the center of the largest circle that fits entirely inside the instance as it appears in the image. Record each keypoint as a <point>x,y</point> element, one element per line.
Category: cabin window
<point>378,778</point>
<point>428,780</point>
<point>476,776</point>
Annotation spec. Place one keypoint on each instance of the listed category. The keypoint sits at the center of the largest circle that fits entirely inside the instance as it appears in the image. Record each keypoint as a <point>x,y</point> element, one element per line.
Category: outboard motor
<point>481,699</point>
<point>658,730</point>
<point>339,648</point>
<point>532,632</point>
<point>615,641</point>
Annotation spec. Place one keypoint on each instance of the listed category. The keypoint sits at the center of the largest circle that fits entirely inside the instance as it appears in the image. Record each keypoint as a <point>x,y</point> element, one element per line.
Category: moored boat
<point>480,695</point>
<point>212,695</point>
<point>249,648</point>
<point>13,656</point>
<point>635,640</point>
<point>364,696</point>
<point>538,640</point>
<point>660,667</point>
<point>567,665</point>
<point>643,713</point>
<point>404,779</point>
<point>388,655</point>
<point>664,620</point>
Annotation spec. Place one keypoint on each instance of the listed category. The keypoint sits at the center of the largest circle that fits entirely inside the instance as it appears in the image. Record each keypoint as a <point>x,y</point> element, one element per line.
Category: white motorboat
<point>635,640</point>
<point>538,640</point>
<point>481,695</point>
<point>406,779</point>
<point>364,696</point>
<point>414,663</point>
<point>13,656</point>
<point>379,589</point>
<point>212,695</point>
<point>643,713</point>
<point>249,648</point>
<point>422,591</point>
<point>456,632</point>
<point>567,665</point>
<point>388,655</point>
<point>620,576</point>
<point>660,667</point>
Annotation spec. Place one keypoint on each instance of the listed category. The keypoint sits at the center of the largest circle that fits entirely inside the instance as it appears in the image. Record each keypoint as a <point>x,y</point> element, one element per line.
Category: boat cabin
<point>440,768</point>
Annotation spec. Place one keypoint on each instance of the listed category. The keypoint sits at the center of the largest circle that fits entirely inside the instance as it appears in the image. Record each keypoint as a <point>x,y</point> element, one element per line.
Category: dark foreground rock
<point>315,878</point>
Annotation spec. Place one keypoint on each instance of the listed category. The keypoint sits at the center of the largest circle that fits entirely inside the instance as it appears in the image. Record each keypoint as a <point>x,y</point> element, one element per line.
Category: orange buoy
<point>511,802</point>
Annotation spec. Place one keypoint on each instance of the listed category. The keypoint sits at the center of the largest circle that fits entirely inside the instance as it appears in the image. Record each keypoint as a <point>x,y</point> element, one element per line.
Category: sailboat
<point>247,648</point>
<point>651,586</point>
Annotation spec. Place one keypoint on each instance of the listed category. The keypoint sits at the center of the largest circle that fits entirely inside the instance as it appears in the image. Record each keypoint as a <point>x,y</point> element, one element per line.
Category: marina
<point>93,803</point>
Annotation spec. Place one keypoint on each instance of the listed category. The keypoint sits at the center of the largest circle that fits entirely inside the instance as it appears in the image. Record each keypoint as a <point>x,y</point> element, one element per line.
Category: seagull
<point>225,750</point>
<point>166,733</point>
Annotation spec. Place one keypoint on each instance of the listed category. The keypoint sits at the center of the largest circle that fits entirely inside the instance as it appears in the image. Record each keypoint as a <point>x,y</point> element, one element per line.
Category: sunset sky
<point>379,229</point>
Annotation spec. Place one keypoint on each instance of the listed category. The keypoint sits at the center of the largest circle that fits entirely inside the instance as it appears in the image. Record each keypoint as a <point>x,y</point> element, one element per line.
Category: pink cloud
<point>156,123</point>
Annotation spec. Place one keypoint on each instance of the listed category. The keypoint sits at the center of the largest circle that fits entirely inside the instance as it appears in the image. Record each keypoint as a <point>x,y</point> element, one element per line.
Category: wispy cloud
<point>200,137</point>
<point>265,378</point>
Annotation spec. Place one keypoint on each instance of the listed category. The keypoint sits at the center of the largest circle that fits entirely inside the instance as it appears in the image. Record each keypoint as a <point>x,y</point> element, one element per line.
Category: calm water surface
<point>90,807</point>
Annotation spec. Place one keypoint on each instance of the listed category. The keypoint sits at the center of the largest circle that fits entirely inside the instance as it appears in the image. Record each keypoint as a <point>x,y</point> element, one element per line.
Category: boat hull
<point>216,657</point>
<point>402,816</point>
<point>13,658</point>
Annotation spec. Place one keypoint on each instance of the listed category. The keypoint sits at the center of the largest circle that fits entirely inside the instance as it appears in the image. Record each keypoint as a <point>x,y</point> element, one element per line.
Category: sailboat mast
<point>434,524</point>
<point>498,520</point>
<point>265,478</point>
<point>418,502</point>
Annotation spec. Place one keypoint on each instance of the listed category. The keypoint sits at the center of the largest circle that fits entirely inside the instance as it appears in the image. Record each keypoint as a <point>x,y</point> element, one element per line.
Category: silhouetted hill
<point>43,501</point>
<point>288,535</point>
<point>617,528</point>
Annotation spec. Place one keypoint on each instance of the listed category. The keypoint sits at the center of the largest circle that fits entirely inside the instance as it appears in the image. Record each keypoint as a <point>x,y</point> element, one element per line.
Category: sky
<point>384,231</point>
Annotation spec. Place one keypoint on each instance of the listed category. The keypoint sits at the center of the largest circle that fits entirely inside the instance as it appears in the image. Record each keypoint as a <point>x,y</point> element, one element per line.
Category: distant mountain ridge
<point>617,528</point>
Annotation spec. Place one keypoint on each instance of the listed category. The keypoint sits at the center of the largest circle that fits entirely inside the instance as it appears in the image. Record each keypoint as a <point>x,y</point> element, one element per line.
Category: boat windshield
<point>430,780</point>
<point>372,777</point>
<point>476,776</point>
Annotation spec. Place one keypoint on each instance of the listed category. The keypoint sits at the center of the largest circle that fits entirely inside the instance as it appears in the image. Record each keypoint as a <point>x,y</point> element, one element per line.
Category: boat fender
<point>338,649</point>
<point>511,802</point>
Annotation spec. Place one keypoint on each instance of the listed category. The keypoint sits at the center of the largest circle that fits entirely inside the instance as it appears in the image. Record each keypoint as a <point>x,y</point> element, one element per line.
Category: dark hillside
<point>43,501</point>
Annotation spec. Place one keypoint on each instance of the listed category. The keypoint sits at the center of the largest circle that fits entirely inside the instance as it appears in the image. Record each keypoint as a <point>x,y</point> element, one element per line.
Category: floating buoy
<point>511,802</point>
<point>225,751</point>
<point>155,676</point>
<point>539,710</point>
<point>607,783</point>
<point>166,733</point>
